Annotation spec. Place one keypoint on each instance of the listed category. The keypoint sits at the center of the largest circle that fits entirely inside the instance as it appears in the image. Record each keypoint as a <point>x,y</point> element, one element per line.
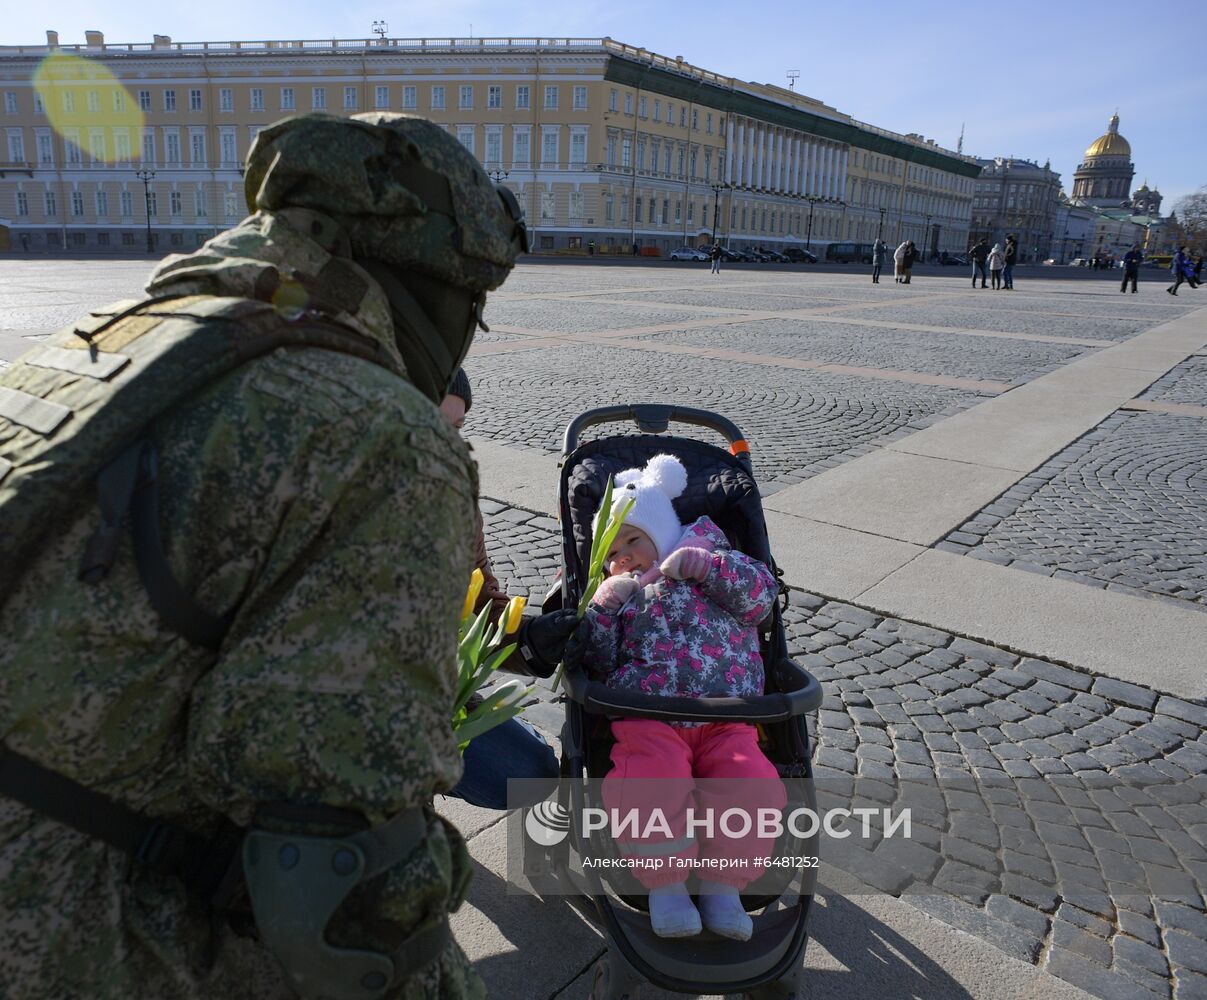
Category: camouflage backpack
<point>74,411</point>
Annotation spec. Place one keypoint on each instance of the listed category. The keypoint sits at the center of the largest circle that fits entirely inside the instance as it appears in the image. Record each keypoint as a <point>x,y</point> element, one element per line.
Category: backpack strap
<point>208,866</point>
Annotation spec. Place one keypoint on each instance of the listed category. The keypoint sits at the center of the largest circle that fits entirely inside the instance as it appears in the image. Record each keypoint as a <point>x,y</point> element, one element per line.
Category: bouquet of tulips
<point>604,530</point>
<point>481,648</point>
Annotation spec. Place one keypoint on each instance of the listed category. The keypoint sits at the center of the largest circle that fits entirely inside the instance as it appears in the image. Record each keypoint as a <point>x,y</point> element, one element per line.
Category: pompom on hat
<point>652,489</point>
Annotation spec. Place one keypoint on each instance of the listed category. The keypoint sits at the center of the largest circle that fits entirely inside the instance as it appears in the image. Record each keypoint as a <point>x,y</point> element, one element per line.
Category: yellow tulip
<point>513,615</point>
<point>471,596</point>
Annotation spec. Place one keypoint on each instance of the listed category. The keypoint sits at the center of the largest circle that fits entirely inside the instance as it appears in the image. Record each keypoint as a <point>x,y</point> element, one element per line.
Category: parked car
<point>1079,262</point>
<point>750,256</point>
<point>688,253</point>
<point>953,260</point>
<point>849,253</point>
<point>775,257</point>
<point>799,256</point>
<point>731,255</point>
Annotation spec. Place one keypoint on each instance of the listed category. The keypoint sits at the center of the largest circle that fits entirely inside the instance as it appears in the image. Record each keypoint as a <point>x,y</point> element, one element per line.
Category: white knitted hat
<point>652,489</point>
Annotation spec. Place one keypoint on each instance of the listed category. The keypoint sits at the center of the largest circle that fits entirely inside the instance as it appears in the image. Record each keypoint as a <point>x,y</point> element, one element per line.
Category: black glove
<point>542,640</point>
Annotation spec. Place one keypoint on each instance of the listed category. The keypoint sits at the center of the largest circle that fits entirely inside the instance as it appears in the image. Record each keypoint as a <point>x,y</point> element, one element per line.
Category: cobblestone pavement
<point>1122,509</point>
<point>886,348</point>
<point>1105,326</point>
<point>1187,383</point>
<point>1064,791</point>
<point>797,422</point>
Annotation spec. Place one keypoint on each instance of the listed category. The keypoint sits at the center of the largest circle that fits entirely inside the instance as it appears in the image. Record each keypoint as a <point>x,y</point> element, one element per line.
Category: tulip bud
<point>471,596</point>
<point>513,615</point>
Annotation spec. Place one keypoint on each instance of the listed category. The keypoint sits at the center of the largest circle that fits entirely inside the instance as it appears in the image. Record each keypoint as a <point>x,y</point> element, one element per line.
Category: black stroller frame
<point>721,484</point>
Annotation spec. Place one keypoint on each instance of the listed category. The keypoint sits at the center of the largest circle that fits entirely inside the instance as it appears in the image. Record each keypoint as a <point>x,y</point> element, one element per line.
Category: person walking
<point>997,262</point>
<point>1182,269</point>
<point>909,254</point>
<point>1197,268</point>
<point>979,254</point>
<point>1131,267</point>
<point>1011,258</point>
<point>879,249</point>
<point>715,254</point>
<point>219,759</point>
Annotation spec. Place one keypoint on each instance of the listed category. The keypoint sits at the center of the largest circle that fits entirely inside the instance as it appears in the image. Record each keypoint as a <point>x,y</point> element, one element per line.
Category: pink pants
<point>655,767</point>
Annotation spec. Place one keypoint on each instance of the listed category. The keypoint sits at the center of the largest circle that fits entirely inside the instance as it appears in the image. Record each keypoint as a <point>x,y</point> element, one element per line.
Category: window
<point>548,206</point>
<point>351,100</point>
<point>410,98</point>
<point>521,154</point>
<point>144,100</point>
<point>197,149</point>
<point>318,98</point>
<point>626,152</point>
<point>201,207</point>
<point>523,98</point>
<point>102,239</point>
<point>465,97</point>
<point>174,200</point>
<point>578,147</point>
<point>683,117</point>
<point>10,102</point>
<point>49,204</point>
<point>148,147</point>
<point>381,97</point>
<point>551,98</point>
<point>229,153</point>
<point>641,107</point>
<point>96,146</point>
<point>102,203</point>
<point>465,136</point>
<point>666,161</point>
<point>695,119</point>
<point>78,239</point>
<point>638,205</point>
<point>194,100</point>
<point>257,98</point>
<point>653,210</point>
<point>171,147</point>
<point>287,99</point>
<point>169,100</point>
<point>628,104</point>
<point>657,109</point>
<point>230,205</point>
<point>670,112</point>
<point>609,208</point>
<point>708,124</point>
<point>666,210</point>
<point>16,147</point>
<point>678,212</point>
<point>94,102</point>
<point>641,154</point>
<point>176,239</point>
<point>77,203</point>
<point>22,203</point>
<point>613,98</point>
<point>549,146</point>
<point>624,207</point>
<point>576,206</point>
<point>127,239</point>
<point>68,101</point>
<point>226,99</point>
<point>611,151</point>
<point>126,203</point>
<point>437,98</point>
<point>494,97</point>
<point>494,146</point>
<point>580,98</point>
<point>71,143</point>
<point>39,104</point>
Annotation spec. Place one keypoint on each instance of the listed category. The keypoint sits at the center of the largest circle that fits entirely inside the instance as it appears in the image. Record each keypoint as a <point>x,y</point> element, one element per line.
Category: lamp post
<point>716,207</point>
<point>880,228</point>
<point>926,237</point>
<point>145,176</point>
<point>497,175</point>
<point>809,228</point>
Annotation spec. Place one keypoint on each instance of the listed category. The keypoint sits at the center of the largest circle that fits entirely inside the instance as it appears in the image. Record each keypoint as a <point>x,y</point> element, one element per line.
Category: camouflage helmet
<point>406,192</point>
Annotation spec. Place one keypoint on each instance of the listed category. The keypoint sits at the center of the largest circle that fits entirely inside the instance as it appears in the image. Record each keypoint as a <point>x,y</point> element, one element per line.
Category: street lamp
<point>497,175</point>
<point>716,207</point>
<point>812,200</point>
<point>880,228</point>
<point>926,236</point>
<point>145,176</point>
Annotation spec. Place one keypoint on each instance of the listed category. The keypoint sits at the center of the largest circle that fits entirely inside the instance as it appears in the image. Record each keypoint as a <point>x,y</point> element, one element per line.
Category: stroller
<point>721,485</point>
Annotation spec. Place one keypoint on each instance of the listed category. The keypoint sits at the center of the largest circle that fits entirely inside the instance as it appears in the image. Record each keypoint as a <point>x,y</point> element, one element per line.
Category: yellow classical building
<point>608,146</point>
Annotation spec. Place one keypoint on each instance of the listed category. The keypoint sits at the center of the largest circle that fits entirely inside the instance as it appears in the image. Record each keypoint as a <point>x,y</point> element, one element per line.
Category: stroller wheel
<point>604,987</point>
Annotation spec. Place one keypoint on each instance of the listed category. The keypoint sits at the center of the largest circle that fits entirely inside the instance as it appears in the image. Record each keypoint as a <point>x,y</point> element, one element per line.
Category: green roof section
<point>659,81</point>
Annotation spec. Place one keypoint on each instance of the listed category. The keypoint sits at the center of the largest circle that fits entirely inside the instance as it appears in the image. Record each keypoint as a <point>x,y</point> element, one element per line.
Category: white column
<point>801,165</point>
<point>831,186</point>
<point>842,173</point>
<point>731,147</point>
<point>737,153</point>
<point>814,153</point>
<point>763,157</point>
<point>750,161</point>
<point>796,151</point>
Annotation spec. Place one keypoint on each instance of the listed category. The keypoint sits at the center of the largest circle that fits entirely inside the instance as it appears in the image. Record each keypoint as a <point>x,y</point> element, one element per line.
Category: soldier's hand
<point>542,640</point>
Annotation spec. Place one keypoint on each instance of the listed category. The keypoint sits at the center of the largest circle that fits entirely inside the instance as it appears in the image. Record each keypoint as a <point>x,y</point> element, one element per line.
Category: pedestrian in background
<point>1197,267</point>
<point>715,254</point>
<point>1011,252</point>
<point>1183,270</point>
<point>997,262</point>
<point>879,249</point>
<point>904,258</point>
<point>1131,267</point>
<point>979,254</point>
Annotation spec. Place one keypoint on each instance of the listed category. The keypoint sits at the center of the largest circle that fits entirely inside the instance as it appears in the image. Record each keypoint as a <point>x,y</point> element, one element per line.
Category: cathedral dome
<point>1110,144</point>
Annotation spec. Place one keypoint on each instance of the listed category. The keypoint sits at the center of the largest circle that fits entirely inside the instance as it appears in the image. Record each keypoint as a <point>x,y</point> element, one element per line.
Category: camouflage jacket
<point>324,500</point>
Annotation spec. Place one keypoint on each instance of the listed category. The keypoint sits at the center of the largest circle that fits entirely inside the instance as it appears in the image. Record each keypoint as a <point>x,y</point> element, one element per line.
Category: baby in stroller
<point>678,615</point>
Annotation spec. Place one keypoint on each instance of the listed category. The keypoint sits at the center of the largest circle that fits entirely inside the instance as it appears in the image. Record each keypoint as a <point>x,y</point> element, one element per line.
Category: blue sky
<point>1024,78</point>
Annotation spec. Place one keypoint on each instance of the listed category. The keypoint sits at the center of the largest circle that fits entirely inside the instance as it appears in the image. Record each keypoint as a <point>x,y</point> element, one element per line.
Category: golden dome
<point>1110,144</point>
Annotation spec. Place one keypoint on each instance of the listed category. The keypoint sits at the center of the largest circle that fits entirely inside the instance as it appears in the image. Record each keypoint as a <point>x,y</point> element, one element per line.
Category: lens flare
<point>88,106</point>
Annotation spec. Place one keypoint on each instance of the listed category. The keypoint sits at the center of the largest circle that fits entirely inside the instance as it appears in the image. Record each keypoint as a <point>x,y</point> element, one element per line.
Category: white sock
<point>722,913</point>
<point>672,913</point>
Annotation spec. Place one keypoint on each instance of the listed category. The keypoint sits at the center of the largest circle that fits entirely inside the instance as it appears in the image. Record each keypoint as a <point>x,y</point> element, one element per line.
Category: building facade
<point>1104,178</point>
<point>1021,198</point>
<point>604,143</point>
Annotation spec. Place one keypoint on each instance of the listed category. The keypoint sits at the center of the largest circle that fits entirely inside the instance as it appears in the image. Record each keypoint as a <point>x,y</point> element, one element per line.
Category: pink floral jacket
<point>683,637</point>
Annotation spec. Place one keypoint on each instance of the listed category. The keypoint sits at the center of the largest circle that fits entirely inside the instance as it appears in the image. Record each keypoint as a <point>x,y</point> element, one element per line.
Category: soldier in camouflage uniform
<point>317,501</point>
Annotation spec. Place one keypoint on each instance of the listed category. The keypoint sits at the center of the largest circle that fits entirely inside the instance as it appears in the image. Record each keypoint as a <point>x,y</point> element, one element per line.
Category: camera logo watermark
<point>547,824</point>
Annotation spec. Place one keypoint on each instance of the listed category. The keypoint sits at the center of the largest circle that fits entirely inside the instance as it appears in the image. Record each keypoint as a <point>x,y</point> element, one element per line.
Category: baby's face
<point>631,552</point>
